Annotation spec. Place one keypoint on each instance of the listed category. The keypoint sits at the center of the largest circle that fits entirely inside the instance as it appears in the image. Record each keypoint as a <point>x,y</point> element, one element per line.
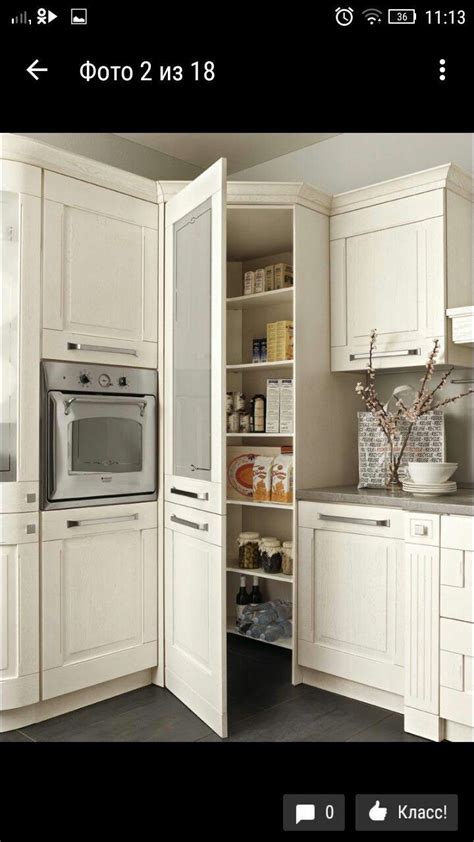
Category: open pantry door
<point>195,608</point>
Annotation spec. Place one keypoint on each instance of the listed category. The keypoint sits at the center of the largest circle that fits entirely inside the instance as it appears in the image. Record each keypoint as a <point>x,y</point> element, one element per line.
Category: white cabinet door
<point>195,236</point>
<point>19,617</point>
<point>195,636</point>
<point>99,595</point>
<point>391,278</point>
<point>100,274</point>
<point>19,336</point>
<point>422,627</point>
<point>350,606</point>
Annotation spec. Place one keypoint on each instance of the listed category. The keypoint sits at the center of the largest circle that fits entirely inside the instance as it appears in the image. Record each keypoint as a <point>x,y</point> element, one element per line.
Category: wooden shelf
<point>260,366</point>
<point>284,643</point>
<point>260,435</point>
<point>277,577</point>
<point>287,506</point>
<point>261,299</point>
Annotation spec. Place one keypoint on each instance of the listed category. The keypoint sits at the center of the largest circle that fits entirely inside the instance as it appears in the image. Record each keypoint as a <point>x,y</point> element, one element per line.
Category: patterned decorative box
<point>426,444</point>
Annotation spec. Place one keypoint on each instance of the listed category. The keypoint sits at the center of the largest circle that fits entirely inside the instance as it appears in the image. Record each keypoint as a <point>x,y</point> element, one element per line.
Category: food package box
<point>283,275</point>
<point>284,340</point>
<point>240,462</point>
<point>249,283</point>
<point>269,278</point>
<point>272,341</point>
<point>256,351</point>
<point>262,478</point>
<point>259,285</point>
<point>273,407</point>
<point>282,479</point>
<point>286,405</point>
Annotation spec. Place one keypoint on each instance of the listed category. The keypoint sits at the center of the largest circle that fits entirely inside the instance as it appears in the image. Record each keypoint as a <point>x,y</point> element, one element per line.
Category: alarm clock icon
<point>344,16</point>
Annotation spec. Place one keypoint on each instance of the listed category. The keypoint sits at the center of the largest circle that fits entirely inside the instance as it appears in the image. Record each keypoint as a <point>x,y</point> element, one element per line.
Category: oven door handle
<point>107,400</point>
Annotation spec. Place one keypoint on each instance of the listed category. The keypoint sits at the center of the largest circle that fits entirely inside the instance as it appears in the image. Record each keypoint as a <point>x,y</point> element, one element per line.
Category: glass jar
<point>287,558</point>
<point>260,547</point>
<point>248,550</point>
<point>271,556</point>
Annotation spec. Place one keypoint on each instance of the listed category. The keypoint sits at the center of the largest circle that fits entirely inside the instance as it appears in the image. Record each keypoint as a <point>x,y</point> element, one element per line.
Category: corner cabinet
<point>19,617</point>
<point>100,268</point>
<point>99,595</point>
<point>400,256</point>
<point>19,337</point>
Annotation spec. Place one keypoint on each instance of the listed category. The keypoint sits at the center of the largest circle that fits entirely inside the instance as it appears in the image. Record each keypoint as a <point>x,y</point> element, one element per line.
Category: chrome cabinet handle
<point>108,400</point>
<point>406,352</point>
<point>197,495</point>
<point>70,524</point>
<point>360,520</point>
<point>80,346</point>
<point>191,523</point>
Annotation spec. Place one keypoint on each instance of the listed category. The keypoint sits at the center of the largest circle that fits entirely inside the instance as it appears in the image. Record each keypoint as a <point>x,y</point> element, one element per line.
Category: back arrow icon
<point>33,69</point>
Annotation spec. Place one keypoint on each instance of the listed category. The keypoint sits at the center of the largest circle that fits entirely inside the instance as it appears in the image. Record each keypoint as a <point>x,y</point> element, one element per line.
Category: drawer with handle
<point>58,344</point>
<point>69,523</point>
<point>422,529</point>
<point>207,496</point>
<point>359,519</point>
<point>205,526</point>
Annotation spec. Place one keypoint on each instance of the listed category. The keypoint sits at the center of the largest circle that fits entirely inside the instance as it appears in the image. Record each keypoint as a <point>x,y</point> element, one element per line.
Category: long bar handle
<point>360,520</point>
<point>101,520</point>
<point>109,399</point>
<point>196,495</point>
<point>80,346</point>
<point>203,527</point>
<point>405,352</point>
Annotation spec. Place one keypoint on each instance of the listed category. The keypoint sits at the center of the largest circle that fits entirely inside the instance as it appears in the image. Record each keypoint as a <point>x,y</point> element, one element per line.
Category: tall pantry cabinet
<point>214,232</point>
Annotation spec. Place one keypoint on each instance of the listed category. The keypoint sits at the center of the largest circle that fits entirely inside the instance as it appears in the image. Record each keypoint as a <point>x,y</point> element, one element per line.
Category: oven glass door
<point>101,446</point>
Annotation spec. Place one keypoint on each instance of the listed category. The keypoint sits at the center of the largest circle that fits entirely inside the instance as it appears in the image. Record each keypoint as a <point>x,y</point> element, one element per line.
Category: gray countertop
<point>460,503</point>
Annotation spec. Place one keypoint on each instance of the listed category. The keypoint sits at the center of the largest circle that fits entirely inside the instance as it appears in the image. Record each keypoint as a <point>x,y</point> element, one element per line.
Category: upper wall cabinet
<point>100,274</point>
<point>19,336</point>
<point>400,255</point>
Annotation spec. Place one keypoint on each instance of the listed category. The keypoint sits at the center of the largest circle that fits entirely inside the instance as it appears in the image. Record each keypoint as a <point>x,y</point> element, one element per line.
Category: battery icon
<point>401,16</point>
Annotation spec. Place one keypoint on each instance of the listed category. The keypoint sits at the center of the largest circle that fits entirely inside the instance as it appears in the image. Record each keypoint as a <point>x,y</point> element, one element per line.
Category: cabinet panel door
<point>100,274</point>
<point>350,598</point>
<point>195,637</point>
<point>395,282</point>
<point>195,341</point>
<point>100,598</point>
<point>19,611</point>
<point>19,332</point>
<point>422,628</point>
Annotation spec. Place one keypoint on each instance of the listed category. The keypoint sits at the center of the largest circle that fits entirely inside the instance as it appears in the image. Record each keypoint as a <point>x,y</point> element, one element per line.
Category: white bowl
<point>431,472</point>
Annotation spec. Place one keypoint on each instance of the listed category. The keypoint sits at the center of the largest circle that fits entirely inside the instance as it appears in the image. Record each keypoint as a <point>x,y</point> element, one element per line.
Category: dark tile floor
<point>263,706</point>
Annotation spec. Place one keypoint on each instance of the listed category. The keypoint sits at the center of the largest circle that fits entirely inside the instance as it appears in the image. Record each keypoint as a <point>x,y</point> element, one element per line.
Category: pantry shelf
<point>260,366</point>
<point>278,577</point>
<point>260,435</point>
<point>261,299</point>
<point>288,506</point>
<point>284,643</point>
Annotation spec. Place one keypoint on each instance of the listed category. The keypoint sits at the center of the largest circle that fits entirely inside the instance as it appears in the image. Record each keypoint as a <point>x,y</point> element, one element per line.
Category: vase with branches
<point>391,423</point>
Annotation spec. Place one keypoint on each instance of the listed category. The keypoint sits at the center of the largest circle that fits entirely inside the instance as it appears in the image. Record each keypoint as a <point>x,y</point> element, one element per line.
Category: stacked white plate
<point>449,487</point>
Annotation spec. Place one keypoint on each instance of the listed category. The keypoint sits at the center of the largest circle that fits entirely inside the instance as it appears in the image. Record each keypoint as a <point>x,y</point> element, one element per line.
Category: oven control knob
<point>84,379</point>
<point>122,381</point>
<point>104,380</point>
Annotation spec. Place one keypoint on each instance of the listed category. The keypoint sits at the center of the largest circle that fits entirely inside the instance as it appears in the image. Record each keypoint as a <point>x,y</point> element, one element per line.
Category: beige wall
<point>118,152</point>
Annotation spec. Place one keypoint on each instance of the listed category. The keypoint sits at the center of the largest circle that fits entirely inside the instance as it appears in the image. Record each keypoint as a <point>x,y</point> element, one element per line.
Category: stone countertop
<point>460,503</point>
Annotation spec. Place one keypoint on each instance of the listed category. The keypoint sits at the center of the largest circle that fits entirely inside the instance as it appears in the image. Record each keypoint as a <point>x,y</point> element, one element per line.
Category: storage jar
<point>248,550</point>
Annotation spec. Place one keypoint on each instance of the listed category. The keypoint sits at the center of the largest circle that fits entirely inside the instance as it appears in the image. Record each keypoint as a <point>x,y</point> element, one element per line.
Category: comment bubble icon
<point>305,813</point>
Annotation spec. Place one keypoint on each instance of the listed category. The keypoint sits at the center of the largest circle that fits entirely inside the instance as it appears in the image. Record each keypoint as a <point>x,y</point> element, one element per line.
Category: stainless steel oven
<point>98,435</point>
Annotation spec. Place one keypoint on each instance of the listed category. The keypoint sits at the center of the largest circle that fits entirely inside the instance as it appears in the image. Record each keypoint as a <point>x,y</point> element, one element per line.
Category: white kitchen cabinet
<point>350,593</point>
<point>195,236</point>
<point>400,255</point>
<point>19,336</point>
<point>195,638</point>
<point>99,595</point>
<point>100,274</point>
<point>19,618</point>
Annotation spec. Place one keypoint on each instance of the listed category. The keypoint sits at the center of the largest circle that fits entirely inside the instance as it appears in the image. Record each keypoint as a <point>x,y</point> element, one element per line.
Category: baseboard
<point>457,733</point>
<point>21,717</point>
<point>345,687</point>
<point>424,724</point>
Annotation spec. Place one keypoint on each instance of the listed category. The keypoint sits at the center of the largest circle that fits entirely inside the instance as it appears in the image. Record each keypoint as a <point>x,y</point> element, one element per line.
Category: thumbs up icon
<point>378,813</point>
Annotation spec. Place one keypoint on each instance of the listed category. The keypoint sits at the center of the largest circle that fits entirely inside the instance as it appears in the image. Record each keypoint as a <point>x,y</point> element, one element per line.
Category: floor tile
<point>389,730</point>
<point>14,737</point>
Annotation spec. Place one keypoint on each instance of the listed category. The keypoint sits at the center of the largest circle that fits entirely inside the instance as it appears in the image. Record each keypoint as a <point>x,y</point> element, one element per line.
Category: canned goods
<point>245,423</point>
<point>239,401</point>
<point>234,422</point>
<point>229,403</point>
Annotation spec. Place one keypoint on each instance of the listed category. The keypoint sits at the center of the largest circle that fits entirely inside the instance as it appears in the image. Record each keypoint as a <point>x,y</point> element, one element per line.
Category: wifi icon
<point>372,15</point>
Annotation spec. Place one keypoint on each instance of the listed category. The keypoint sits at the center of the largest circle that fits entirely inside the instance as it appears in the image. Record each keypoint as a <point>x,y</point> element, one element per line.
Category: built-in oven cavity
<point>111,444</point>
